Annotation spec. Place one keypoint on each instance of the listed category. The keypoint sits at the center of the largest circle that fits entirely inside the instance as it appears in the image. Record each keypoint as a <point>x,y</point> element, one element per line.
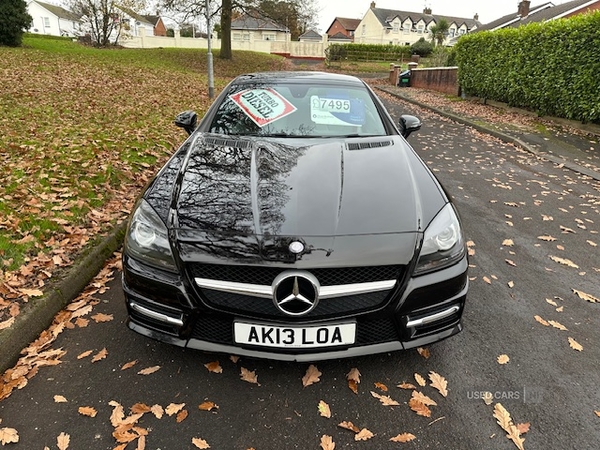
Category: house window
<point>451,32</point>
<point>420,29</point>
<point>364,30</point>
<point>406,28</point>
<point>461,32</point>
<point>268,37</point>
<point>396,27</point>
<point>47,22</point>
<point>237,37</point>
<point>246,36</point>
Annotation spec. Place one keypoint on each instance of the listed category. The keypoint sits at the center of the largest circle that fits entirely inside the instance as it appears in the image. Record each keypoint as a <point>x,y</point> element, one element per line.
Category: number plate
<point>294,337</point>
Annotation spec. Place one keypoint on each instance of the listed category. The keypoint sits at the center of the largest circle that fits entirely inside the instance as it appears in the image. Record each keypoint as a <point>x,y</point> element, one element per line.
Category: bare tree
<point>104,18</point>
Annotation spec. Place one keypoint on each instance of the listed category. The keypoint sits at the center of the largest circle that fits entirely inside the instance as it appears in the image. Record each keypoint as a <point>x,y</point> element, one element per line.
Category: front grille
<point>264,307</point>
<point>368,331</point>
<point>265,275</point>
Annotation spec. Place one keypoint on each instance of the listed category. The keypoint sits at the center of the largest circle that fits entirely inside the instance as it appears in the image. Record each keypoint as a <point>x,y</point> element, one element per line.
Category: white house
<point>387,26</point>
<point>53,20</point>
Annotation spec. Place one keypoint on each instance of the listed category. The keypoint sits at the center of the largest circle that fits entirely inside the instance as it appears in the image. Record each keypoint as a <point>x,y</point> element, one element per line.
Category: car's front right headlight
<point>147,238</point>
<point>443,243</point>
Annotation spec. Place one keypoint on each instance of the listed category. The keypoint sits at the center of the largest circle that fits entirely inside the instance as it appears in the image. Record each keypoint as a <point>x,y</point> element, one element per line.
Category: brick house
<point>344,26</point>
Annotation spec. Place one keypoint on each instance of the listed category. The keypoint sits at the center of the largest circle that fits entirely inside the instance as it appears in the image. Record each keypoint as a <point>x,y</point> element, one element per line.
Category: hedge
<point>367,52</point>
<point>552,68</point>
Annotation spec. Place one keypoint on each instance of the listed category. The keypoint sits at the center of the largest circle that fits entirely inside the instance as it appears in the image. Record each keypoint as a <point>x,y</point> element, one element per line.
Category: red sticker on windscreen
<point>263,106</point>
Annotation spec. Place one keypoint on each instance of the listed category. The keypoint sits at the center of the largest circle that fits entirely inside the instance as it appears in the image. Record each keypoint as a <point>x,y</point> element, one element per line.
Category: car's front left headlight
<point>147,238</point>
<point>443,243</point>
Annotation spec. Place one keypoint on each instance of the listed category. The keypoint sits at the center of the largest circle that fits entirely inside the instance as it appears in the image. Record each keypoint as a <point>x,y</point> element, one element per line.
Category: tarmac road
<point>503,194</point>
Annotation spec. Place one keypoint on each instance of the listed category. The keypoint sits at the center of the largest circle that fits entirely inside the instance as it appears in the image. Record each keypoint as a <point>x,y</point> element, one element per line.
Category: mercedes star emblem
<point>295,292</point>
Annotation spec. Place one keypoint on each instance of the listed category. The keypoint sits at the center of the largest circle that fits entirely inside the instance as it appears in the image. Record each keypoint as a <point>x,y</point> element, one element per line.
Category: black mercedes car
<point>295,223</point>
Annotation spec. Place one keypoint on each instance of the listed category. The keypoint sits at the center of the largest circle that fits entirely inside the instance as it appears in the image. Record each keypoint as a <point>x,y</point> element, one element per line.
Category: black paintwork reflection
<point>235,194</point>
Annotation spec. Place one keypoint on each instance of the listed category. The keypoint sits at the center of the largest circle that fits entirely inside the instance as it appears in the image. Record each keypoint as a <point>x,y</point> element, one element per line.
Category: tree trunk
<point>226,8</point>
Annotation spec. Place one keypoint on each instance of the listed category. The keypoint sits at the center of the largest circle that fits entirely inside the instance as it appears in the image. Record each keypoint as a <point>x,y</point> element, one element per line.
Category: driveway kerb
<point>498,134</point>
<point>37,315</point>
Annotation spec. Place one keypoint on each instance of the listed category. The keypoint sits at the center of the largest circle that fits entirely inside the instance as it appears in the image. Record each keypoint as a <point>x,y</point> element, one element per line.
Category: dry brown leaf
<point>575,345</point>
<point>503,419</point>
<point>234,359</point>
<point>84,354</point>
<point>566,230</point>
<point>508,243</point>
<point>8,436</point>
<point>100,317</point>
<point>419,408</point>
<point>551,302</point>
<point>597,413</point>
<point>249,376</point>
<point>87,411</point>
<point>60,399</point>
<point>327,443</point>
<point>149,370</point>
<point>422,398</point>
<point>592,243</point>
<point>510,262</point>
<point>81,322</point>
<point>363,435</point>
<point>353,378</point>
<point>62,441</point>
<point>406,386</point>
<point>542,321</point>
<point>157,410</point>
<point>100,355</point>
<point>487,280</point>
<point>324,409</point>
<point>420,380</point>
<point>487,397</point>
<point>174,408</point>
<point>557,325</point>
<point>503,359</point>
<point>31,292</point>
<point>214,367</point>
<point>207,406</point>
<point>586,297</point>
<point>547,238</point>
<point>140,408</point>
<point>129,365</point>
<point>511,284</point>
<point>381,387</point>
<point>564,261</point>
<point>404,437</point>
<point>386,400</point>
<point>439,382</point>
<point>424,352</point>
<point>200,443</point>
<point>523,427</point>
<point>118,414</point>
<point>349,426</point>
<point>181,415</point>
<point>311,376</point>
<point>7,323</point>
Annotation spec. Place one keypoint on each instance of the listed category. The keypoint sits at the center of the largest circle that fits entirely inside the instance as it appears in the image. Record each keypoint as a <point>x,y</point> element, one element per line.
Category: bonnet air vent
<point>234,143</point>
<point>363,145</point>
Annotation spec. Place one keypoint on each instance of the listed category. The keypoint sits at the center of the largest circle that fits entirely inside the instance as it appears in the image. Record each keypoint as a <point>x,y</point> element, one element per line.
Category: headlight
<point>147,238</point>
<point>443,244</point>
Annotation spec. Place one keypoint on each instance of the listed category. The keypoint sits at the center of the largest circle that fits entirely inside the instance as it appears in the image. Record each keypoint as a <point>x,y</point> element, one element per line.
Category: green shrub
<point>13,20</point>
<point>422,48</point>
<point>367,52</point>
<point>551,68</point>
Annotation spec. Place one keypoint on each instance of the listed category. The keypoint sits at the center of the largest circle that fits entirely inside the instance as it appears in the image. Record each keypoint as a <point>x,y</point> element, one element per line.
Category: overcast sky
<point>488,10</point>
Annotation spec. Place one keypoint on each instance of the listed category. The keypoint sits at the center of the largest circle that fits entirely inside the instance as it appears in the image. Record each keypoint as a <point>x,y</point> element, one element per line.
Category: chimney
<point>524,8</point>
<point>427,10</point>
<point>372,5</point>
<point>476,16</point>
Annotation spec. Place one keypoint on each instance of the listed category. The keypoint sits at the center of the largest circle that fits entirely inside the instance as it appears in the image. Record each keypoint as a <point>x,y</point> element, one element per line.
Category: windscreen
<point>292,110</point>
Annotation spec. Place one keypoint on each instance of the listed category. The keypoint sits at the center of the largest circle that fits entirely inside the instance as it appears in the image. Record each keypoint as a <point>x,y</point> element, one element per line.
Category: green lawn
<point>82,130</point>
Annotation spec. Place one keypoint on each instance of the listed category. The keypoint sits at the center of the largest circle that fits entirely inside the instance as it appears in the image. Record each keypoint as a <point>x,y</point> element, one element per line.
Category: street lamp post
<point>211,85</point>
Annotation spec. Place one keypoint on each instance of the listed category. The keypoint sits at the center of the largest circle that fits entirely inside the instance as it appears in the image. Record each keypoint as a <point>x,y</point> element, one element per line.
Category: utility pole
<point>209,55</point>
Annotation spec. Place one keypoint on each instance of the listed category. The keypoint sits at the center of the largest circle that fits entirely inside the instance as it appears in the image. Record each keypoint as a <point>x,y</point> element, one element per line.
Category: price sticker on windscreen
<point>263,106</point>
<point>337,111</point>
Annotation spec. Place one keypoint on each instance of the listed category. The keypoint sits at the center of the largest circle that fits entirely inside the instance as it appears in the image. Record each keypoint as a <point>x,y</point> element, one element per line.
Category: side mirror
<point>187,120</point>
<point>408,124</point>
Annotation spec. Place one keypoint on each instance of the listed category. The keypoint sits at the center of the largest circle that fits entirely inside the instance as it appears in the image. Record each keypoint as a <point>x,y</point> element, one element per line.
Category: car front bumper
<point>428,309</point>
